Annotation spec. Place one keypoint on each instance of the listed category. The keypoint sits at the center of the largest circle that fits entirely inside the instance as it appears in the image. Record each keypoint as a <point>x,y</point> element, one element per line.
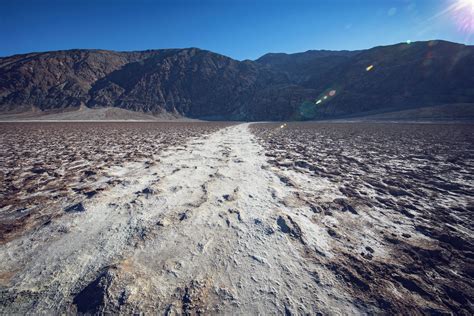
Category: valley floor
<point>210,227</point>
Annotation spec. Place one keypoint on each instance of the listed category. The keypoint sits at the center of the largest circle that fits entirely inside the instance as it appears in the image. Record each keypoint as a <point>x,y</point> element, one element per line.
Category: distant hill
<point>196,83</point>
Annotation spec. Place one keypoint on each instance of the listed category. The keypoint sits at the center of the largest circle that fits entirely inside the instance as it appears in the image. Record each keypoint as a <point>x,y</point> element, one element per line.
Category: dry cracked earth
<point>217,218</point>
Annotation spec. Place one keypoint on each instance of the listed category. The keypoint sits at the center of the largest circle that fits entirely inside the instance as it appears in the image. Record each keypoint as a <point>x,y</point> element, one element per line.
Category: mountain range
<point>201,84</point>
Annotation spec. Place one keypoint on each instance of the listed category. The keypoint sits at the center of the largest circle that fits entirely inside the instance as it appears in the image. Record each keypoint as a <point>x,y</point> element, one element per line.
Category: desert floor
<point>220,218</point>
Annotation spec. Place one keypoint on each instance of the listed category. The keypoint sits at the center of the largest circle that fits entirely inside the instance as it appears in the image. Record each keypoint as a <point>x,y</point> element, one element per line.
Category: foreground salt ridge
<point>211,227</point>
<point>398,211</point>
<point>206,222</point>
<point>218,225</point>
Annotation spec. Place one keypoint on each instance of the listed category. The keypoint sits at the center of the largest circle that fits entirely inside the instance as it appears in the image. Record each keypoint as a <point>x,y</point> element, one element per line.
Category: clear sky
<point>242,29</point>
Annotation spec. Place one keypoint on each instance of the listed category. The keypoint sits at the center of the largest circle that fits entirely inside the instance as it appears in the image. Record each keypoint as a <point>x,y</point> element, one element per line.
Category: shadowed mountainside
<point>200,84</point>
<point>403,76</point>
<point>301,67</point>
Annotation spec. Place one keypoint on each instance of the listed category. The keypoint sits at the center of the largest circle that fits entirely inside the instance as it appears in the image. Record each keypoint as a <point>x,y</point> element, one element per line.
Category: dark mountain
<point>402,76</point>
<point>201,84</point>
<point>193,83</point>
<point>189,82</point>
<point>53,80</point>
<point>301,67</point>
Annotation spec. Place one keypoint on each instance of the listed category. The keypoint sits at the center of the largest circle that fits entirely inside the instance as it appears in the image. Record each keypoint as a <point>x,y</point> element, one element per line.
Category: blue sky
<point>242,29</point>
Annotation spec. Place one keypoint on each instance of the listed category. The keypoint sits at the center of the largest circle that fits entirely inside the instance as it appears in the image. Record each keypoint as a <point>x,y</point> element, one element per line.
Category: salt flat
<point>213,224</point>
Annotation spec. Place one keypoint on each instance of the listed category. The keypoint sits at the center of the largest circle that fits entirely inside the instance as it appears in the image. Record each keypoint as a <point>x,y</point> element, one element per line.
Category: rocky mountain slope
<point>401,76</point>
<point>189,82</point>
<point>301,67</point>
<point>200,84</point>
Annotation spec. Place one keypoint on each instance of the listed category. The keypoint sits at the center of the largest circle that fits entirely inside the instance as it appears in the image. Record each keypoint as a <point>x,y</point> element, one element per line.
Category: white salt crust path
<point>211,220</point>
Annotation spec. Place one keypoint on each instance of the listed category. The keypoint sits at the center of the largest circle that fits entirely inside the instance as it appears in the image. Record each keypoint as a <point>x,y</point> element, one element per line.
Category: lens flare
<point>462,12</point>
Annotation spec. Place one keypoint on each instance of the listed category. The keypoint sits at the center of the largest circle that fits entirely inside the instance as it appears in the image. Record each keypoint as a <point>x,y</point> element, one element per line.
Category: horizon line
<point>208,50</point>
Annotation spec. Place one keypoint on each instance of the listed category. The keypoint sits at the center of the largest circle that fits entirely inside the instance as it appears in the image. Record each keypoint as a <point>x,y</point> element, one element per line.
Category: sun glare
<point>467,3</point>
<point>463,13</point>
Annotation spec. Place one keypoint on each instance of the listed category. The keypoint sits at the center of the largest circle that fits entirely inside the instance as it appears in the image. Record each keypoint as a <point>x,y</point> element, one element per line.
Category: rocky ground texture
<point>44,166</point>
<point>190,218</point>
<point>397,203</point>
